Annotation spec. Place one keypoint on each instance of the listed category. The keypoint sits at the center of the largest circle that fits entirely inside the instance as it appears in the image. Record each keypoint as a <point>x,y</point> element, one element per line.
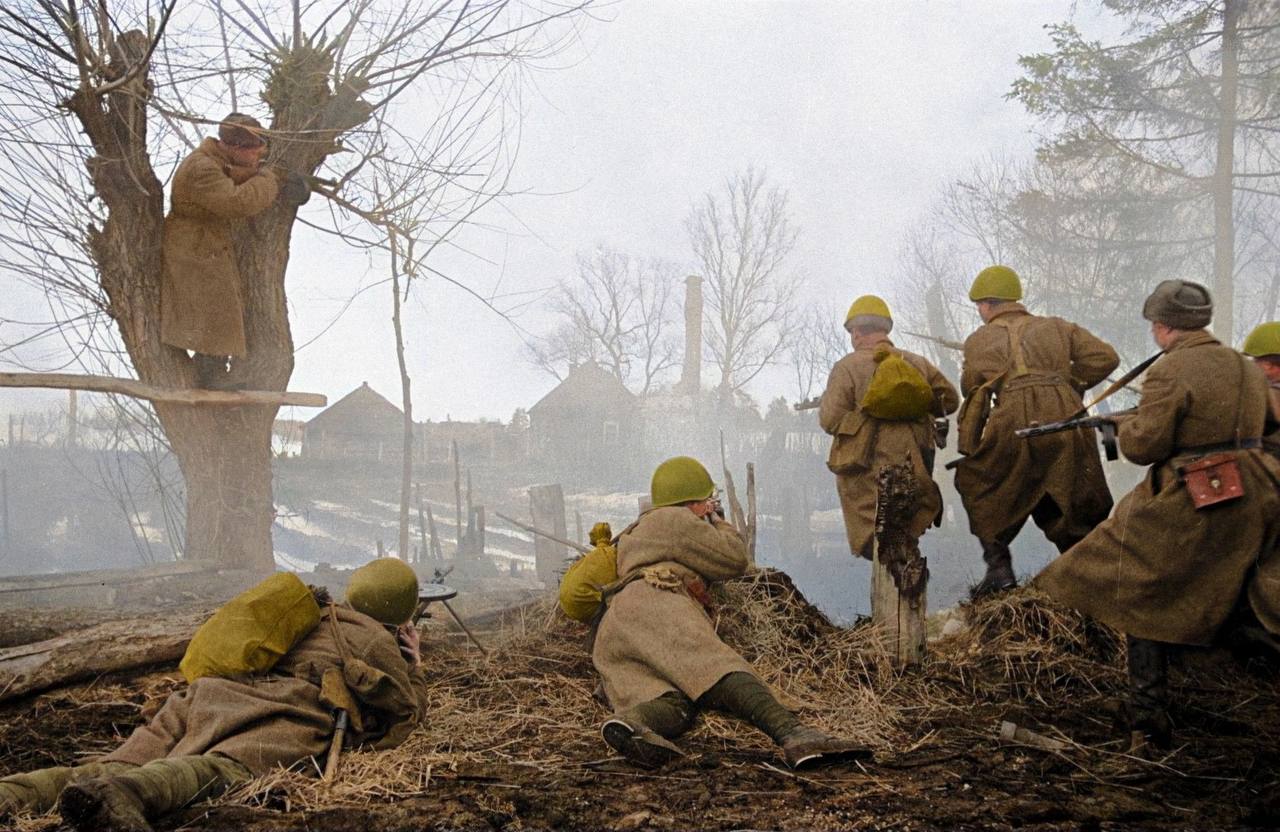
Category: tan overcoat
<point>1272,439</point>
<point>201,297</point>
<point>279,719</point>
<point>880,442</point>
<point>1158,568</point>
<point>1006,477</point>
<point>653,640</point>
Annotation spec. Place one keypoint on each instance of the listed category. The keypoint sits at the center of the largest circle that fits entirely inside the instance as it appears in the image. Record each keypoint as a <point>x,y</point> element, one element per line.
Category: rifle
<point>1105,425</point>
<point>808,404</point>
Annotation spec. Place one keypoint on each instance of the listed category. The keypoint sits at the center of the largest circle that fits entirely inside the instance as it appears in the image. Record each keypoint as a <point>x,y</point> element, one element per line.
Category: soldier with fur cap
<point>1174,562</point>
<point>222,731</point>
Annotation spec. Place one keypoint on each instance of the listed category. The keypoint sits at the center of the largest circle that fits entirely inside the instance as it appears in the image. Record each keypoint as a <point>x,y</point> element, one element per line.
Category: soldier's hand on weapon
<point>410,641</point>
<point>295,190</point>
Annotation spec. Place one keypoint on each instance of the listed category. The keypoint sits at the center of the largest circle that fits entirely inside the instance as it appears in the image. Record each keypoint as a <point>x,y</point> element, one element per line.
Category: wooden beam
<point>168,395</point>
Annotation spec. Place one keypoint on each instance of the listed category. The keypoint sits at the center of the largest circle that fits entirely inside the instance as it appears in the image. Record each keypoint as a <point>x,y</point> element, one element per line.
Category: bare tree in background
<point>104,91</point>
<point>617,311</point>
<point>818,342</point>
<point>741,238</point>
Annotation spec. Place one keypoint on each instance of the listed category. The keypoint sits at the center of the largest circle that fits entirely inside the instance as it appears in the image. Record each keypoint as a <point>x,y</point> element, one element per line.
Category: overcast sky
<point>860,110</point>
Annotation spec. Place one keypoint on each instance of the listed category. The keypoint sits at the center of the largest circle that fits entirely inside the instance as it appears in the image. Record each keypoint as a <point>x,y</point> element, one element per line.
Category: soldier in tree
<point>864,441</point>
<point>1196,540</point>
<point>656,647</point>
<point>1036,368</point>
<point>215,190</point>
<point>1263,345</point>
<point>223,731</point>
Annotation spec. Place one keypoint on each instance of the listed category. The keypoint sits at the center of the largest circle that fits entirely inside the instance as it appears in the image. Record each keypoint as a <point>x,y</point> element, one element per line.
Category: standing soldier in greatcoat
<point>1037,369</point>
<point>1197,537</point>
<point>865,442</point>
<point>215,190</point>
<point>1263,345</point>
<point>656,647</point>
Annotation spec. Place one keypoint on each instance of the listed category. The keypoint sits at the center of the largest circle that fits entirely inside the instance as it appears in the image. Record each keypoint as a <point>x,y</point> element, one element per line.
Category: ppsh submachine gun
<point>1105,425</point>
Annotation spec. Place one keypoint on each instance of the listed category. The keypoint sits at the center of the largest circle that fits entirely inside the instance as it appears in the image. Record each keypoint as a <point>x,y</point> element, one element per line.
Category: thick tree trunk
<point>1224,238</point>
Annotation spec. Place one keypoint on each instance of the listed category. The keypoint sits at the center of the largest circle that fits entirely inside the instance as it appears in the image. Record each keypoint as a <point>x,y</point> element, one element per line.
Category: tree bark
<point>406,472</point>
<point>84,654</point>
<point>1224,179</point>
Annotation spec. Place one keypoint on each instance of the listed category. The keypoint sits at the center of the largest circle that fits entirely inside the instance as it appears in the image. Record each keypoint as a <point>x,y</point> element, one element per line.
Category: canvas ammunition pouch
<point>973,416</point>
<point>849,452</point>
<point>1212,480</point>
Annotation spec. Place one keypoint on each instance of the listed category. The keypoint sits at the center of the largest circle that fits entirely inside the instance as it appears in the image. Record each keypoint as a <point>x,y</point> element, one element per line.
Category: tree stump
<point>899,576</point>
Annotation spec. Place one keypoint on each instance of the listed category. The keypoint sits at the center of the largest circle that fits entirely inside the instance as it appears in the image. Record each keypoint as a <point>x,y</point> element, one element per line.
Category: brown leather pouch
<point>1212,480</point>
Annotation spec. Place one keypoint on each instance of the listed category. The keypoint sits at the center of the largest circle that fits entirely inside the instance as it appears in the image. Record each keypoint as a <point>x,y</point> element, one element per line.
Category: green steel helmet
<point>385,589</point>
<point>681,479</point>
<point>869,311</point>
<point>996,283</point>
<point>1263,341</point>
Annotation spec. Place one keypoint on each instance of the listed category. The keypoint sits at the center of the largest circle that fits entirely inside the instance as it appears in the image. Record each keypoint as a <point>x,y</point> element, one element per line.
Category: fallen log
<point>106,648</point>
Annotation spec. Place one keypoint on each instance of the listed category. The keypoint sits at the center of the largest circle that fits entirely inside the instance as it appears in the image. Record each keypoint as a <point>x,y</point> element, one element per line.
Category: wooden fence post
<point>546,504</point>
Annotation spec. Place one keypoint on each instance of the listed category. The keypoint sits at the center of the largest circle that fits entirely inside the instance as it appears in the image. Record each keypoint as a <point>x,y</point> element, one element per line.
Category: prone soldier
<point>1198,535</point>
<point>1036,368</point>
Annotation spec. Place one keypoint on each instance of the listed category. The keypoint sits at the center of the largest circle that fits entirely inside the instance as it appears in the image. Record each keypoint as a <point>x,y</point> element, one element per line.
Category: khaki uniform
<point>201,297</point>
<point>655,638</point>
<point>1159,569</point>
<point>1056,479</point>
<point>1271,441</point>
<point>880,442</point>
<point>280,720</point>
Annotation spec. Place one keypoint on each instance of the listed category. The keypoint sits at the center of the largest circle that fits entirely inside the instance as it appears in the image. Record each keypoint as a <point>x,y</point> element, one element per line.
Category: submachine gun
<point>1105,425</point>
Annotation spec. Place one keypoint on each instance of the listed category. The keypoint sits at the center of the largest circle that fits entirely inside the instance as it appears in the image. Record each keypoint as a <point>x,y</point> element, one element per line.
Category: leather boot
<point>806,747</point>
<point>999,575</point>
<point>1148,718</point>
<point>127,802</point>
<point>643,733</point>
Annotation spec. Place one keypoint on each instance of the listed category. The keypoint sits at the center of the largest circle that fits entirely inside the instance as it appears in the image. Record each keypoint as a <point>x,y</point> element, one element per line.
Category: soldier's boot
<point>1147,717</point>
<point>746,697</point>
<point>36,792</point>
<point>999,575</point>
<point>126,802</point>
<point>643,733</point>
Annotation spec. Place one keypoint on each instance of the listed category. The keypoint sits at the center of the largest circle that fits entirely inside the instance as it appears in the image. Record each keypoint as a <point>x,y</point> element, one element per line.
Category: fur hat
<point>1180,304</point>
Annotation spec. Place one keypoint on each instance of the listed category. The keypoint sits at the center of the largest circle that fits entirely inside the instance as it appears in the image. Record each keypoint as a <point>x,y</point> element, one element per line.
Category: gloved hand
<point>295,190</point>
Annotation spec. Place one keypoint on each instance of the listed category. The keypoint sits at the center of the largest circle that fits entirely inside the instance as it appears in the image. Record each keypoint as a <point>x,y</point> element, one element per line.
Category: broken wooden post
<point>577,519</point>
<point>477,540</point>
<point>4,510</point>
<point>72,418</point>
<point>381,552</point>
<point>899,575</point>
<point>751,513</point>
<point>546,505</point>
<point>457,496</point>
<point>437,550</point>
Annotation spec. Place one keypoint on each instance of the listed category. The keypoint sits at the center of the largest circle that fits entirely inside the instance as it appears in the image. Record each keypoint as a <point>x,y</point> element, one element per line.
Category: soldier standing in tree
<point>215,189</point>
<point>1263,345</point>
<point>863,442</point>
<point>1197,537</point>
<point>1036,368</point>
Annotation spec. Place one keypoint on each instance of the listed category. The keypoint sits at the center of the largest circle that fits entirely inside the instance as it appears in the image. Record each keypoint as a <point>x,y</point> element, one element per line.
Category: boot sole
<point>623,739</point>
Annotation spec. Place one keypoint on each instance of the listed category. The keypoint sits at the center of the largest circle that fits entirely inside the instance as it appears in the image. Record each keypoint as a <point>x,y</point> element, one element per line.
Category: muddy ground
<point>943,766</point>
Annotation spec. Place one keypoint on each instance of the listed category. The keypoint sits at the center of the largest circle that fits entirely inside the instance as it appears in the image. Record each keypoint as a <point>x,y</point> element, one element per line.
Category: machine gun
<point>1105,425</point>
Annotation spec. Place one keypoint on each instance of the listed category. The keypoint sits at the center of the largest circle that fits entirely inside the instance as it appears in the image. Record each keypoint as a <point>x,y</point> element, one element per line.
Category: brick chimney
<point>691,375</point>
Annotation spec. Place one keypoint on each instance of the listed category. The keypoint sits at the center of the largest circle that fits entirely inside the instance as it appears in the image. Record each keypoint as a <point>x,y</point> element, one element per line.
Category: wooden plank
<point>546,504</point>
<point>537,531</point>
<point>168,395</point>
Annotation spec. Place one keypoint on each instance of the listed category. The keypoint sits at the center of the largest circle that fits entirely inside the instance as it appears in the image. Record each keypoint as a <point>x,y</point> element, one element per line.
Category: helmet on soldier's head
<point>385,589</point>
<point>1264,341</point>
<point>996,283</point>
<point>869,311</point>
<point>681,479</point>
<point>1179,304</point>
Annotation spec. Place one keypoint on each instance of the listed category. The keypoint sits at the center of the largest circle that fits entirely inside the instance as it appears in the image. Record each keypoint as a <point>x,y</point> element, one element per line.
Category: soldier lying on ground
<point>220,732</point>
<point>656,648</point>
<point>1191,547</point>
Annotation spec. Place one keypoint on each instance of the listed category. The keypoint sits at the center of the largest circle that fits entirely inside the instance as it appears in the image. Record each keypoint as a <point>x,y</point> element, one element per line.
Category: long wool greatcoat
<point>655,640</point>
<point>279,719</point>
<point>1272,439</point>
<point>1159,569</point>
<point>1006,477</point>
<point>201,297</point>
<point>881,442</point>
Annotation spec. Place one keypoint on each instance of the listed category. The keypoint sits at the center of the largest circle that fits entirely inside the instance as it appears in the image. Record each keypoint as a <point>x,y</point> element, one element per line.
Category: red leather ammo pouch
<point>1212,479</point>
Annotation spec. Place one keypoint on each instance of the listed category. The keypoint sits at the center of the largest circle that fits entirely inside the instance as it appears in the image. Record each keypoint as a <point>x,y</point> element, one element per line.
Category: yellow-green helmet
<point>869,310</point>
<point>1264,340</point>
<point>996,283</point>
<point>385,589</point>
<point>681,479</point>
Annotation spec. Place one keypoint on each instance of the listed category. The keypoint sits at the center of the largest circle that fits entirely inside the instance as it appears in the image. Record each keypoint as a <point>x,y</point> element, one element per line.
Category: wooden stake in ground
<point>457,496</point>
<point>546,505</point>
<point>899,575</point>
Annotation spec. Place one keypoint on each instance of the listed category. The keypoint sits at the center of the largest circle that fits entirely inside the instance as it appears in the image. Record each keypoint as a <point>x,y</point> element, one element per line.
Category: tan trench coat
<point>1272,440</point>
<point>653,640</point>
<point>1159,569</point>
<point>279,719</point>
<point>201,297</point>
<point>1006,478</point>
<point>881,442</point>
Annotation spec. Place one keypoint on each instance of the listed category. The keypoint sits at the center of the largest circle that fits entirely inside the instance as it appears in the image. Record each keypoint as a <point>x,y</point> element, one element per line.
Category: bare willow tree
<point>617,311</point>
<point>103,93</point>
<point>741,238</point>
<point>818,342</point>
